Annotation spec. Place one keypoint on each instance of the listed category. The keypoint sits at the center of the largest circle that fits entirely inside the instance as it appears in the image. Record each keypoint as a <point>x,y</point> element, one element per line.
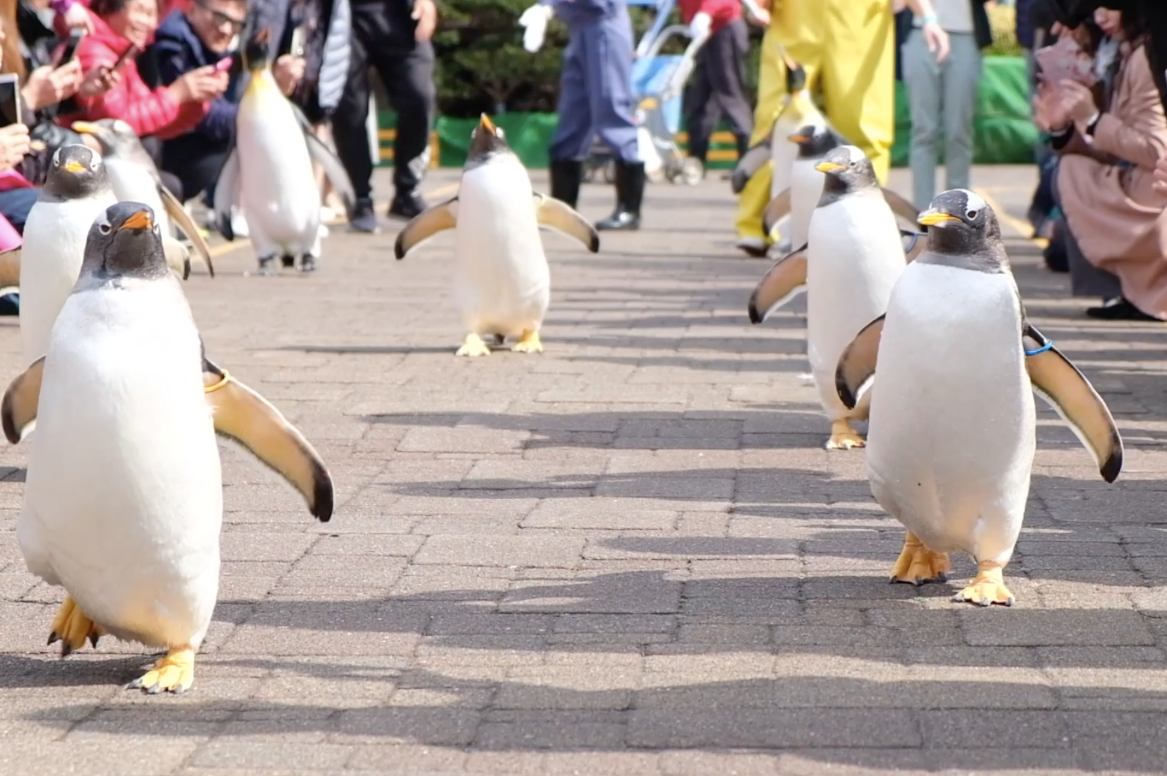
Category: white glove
<point>534,21</point>
<point>701,25</point>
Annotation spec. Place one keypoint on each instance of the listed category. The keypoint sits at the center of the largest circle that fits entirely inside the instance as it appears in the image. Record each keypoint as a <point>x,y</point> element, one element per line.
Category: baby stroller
<point>657,82</point>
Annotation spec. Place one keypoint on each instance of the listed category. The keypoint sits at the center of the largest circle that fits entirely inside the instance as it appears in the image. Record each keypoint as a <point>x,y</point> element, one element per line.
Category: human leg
<point>922,75</point>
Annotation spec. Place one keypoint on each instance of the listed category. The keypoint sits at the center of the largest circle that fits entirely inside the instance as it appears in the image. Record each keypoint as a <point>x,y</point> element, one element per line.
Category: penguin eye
<point>93,163</point>
<point>971,215</point>
<point>104,228</point>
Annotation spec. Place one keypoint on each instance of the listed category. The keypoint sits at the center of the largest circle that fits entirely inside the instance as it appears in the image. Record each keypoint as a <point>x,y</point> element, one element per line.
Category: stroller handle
<point>676,30</point>
<point>680,75</point>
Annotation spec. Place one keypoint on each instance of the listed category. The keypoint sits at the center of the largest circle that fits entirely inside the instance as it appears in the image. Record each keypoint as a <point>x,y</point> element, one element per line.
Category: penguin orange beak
<point>140,220</point>
<point>486,124</point>
<point>85,127</point>
<point>74,167</point>
<point>797,138</point>
<point>828,167</point>
<point>935,218</point>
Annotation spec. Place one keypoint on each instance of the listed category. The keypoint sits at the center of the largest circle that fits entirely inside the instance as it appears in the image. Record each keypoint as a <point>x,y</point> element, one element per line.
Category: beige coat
<point>1117,218</point>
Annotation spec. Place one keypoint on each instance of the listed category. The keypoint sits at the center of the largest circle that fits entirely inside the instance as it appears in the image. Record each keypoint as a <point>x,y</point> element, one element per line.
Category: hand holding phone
<point>14,145</point>
<point>132,51</point>
<point>9,100</point>
<point>70,50</point>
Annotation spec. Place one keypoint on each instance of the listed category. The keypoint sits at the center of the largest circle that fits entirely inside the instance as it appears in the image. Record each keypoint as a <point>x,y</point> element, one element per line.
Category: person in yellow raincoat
<point>847,48</point>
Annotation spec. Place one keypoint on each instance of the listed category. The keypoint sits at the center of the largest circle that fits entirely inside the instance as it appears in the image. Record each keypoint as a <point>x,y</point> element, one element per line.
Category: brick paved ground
<point>629,555</point>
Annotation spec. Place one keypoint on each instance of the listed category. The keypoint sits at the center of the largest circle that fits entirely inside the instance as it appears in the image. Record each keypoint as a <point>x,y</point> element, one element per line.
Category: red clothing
<point>148,111</point>
<point>722,12</point>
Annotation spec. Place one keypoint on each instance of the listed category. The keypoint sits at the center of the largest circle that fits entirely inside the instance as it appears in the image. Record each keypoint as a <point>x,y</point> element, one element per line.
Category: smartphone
<point>9,99</point>
<point>132,51</point>
<point>297,47</point>
<point>71,45</point>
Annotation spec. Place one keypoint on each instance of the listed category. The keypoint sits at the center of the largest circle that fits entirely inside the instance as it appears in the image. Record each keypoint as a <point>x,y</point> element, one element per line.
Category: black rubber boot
<point>566,175</point>
<point>629,194</point>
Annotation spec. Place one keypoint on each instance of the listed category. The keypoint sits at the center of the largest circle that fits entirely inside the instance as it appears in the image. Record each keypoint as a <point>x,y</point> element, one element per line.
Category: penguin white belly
<point>123,501</point>
<point>54,244</point>
<point>503,283</point>
<point>853,260</point>
<point>278,191</point>
<point>806,188</point>
<point>783,153</point>
<point>951,434</point>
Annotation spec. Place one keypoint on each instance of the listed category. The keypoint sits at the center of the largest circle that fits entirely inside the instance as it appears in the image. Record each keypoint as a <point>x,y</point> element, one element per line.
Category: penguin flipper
<point>21,401</point>
<point>557,215</point>
<point>177,256</point>
<point>333,169</point>
<point>776,210</point>
<point>227,194</point>
<point>243,415</point>
<point>914,245</point>
<point>425,225</point>
<point>751,161</point>
<point>857,364</point>
<point>1058,381</point>
<point>187,226</point>
<point>10,268</point>
<point>900,206</point>
<point>784,281</point>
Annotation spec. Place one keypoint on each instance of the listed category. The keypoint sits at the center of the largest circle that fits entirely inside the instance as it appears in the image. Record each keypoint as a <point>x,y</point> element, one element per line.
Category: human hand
<point>936,38</point>
<point>1078,102</point>
<point>535,20</point>
<point>14,145</point>
<point>1049,114</point>
<point>205,83</point>
<point>701,25</point>
<point>48,85</point>
<point>1160,178</point>
<point>78,16</point>
<point>425,13</point>
<point>98,81</point>
<point>288,72</point>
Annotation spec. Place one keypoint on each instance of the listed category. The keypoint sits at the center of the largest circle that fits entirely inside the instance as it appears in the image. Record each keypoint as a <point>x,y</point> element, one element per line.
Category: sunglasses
<point>220,18</point>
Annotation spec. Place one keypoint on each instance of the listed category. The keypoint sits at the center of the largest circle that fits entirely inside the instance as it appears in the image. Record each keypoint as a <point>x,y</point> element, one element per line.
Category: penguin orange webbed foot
<point>172,673</point>
<point>918,565</point>
<point>528,343</point>
<point>72,627</point>
<point>987,588</point>
<point>843,437</point>
<point>473,346</point>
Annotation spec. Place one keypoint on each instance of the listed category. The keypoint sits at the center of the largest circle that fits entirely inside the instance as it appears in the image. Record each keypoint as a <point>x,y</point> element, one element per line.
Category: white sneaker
<point>239,224</point>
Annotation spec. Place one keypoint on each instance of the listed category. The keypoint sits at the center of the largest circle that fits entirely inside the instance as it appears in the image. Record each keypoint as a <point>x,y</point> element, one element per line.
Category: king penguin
<point>269,172</point>
<point>951,437</point>
<point>502,282</point>
<point>135,178</point>
<point>75,193</point>
<point>123,498</point>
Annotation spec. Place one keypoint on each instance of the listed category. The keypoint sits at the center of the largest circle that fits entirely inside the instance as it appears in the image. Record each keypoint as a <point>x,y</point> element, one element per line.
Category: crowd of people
<point>171,69</point>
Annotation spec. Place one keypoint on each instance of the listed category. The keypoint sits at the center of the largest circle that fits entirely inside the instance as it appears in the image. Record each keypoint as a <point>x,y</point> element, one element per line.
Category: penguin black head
<point>962,226</point>
<point>257,50</point>
<point>486,139</point>
<point>814,141</point>
<point>125,241</point>
<point>847,169</point>
<point>76,171</point>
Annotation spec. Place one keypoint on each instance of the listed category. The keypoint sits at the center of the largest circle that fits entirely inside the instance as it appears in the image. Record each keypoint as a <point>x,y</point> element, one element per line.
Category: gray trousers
<point>942,96</point>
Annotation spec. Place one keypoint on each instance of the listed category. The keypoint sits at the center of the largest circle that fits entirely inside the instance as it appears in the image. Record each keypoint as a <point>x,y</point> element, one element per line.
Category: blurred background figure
<point>392,36</point>
<point>595,98</point>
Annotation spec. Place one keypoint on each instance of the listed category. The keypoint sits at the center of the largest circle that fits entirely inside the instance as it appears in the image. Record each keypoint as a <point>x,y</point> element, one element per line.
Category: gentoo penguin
<point>269,172</point>
<point>798,201</point>
<point>951,437</point>
<point>123,500</point>
<point>502,281</point>
<point>75,193</point>
<point>134,178</point>
<point>854,254</point>
<point>812,142</point>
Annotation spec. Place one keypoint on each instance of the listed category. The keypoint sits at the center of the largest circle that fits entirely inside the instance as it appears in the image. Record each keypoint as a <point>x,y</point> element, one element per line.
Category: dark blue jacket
<point>177,50</point>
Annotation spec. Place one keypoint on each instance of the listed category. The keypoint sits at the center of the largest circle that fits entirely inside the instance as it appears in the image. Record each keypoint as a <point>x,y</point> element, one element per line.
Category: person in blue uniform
<point>595,97</point>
